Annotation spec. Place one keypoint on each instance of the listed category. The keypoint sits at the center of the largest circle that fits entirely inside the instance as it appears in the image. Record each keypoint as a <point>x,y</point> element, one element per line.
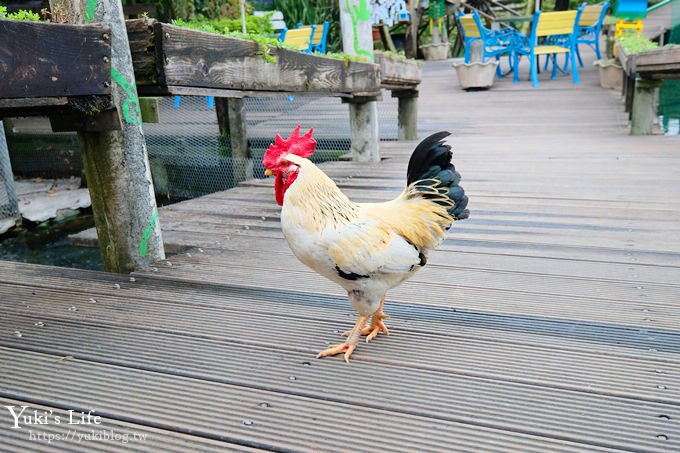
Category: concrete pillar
<point>357,39</point>
<point>364,124</point>
<point>643,112</point>
<point>407,120</point>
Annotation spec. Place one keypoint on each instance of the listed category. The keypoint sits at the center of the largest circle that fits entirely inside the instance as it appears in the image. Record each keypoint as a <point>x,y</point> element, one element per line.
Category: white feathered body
<point>367,248</point>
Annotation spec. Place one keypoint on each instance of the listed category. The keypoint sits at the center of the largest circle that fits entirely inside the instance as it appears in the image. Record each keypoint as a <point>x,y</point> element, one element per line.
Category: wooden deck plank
<point>109,434</point>
<point>179,356</point>
<point>217,410</point>
<point>548,321</point>
<point>430,336</point>
<point>22,282</point>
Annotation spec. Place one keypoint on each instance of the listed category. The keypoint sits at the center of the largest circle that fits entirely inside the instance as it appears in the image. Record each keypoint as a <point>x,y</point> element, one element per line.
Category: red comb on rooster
<point>367,248</point>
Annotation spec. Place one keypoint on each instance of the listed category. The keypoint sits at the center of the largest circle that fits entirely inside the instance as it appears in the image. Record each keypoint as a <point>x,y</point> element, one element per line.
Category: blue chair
<point>495,43</point>
<point>589,28</point>
<point>319,39</point>
<point>468,31</point>
<point>560,24</point>
<point>587,32</point>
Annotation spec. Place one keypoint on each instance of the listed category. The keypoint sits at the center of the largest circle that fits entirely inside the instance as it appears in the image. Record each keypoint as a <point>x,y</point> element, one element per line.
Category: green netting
<point>669,95</point>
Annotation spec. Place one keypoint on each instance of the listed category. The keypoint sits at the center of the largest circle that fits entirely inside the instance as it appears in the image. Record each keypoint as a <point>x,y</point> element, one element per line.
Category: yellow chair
<point>299,38</point>
<point>560,23</point>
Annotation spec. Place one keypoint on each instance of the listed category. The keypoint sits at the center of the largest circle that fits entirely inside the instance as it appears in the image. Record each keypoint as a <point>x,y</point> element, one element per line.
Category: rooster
<point>367,248</point>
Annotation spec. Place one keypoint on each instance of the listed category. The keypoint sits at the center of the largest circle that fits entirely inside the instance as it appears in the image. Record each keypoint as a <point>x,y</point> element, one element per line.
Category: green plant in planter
<point>19,15</point>
<point>260,29</point>
<point>634,43</point>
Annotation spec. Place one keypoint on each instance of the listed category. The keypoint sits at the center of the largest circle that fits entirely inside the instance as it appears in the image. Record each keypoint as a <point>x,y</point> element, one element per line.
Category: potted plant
<point>437,42</point>
<point>611,73</point>
<point>476,74</point>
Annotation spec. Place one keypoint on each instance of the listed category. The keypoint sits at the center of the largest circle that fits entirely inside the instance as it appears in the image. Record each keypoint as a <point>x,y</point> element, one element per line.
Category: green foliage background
<point>313,12</point>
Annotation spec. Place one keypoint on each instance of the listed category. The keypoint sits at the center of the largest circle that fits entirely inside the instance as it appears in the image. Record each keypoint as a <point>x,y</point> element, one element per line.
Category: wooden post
<point>643,109</point>
<point>407,119</point>
<point>232,124</point>
<point>357,39</point>
<point>411,35</point>
<point>115,162</point>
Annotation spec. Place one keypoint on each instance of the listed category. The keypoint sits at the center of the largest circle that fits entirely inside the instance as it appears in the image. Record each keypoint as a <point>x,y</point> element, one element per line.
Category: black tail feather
<point>432,160</point>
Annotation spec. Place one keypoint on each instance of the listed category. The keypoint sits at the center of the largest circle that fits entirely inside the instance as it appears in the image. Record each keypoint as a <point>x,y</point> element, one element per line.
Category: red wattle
<point>279,189</point>
<point>282,183</point>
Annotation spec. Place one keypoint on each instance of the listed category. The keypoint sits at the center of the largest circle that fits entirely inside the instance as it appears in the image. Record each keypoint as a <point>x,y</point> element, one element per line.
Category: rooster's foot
<point>372,331</point>
<point>377,325</point>
<point>350,344</point>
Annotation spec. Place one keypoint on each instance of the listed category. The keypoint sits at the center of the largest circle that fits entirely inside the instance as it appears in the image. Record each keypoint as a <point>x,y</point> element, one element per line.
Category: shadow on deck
<point>548,321</point>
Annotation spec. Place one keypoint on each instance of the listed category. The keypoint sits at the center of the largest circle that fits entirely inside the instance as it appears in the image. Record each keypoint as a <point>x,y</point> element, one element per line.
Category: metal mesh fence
<point>188,158</point>
<point>9,209</point>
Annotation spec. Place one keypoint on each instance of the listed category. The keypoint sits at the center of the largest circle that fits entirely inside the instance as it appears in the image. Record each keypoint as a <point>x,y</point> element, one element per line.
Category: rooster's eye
<point>285,164</point>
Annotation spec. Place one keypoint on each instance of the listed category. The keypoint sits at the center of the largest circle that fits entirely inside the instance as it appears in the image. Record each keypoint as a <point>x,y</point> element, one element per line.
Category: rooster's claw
<point>347,348</point>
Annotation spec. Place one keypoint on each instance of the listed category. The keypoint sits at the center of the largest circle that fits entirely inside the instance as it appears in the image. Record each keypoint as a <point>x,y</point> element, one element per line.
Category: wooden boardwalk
<point>547,322</point>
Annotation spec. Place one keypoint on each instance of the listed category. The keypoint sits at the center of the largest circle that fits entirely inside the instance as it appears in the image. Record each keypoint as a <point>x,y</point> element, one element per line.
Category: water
<point>48,244</point>
<point>670,126</point>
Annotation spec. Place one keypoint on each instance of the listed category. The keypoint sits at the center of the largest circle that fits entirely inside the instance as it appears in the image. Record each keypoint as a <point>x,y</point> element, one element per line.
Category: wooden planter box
<point>46,66</point>
<point>658,64</point>
<point>175,60</point>
<point>398,73</point>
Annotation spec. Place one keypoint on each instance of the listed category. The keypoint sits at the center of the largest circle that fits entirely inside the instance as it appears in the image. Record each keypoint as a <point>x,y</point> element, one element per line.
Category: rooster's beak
<point>268,172</point>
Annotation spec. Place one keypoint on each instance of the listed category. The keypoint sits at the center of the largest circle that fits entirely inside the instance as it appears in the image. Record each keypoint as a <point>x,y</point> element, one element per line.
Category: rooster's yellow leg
<point>350,344</point>
<point>377,324</point>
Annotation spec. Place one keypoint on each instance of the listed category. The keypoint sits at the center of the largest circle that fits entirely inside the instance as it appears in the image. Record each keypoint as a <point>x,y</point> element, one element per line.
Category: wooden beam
<point>108,120</point>
<point>42,59</point>
<point>149,109</point>
<point>167,55</point>
<point>658,64</point>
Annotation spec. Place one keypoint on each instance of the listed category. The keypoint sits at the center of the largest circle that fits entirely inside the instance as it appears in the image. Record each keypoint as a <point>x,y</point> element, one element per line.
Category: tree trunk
<point>115,162</point>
